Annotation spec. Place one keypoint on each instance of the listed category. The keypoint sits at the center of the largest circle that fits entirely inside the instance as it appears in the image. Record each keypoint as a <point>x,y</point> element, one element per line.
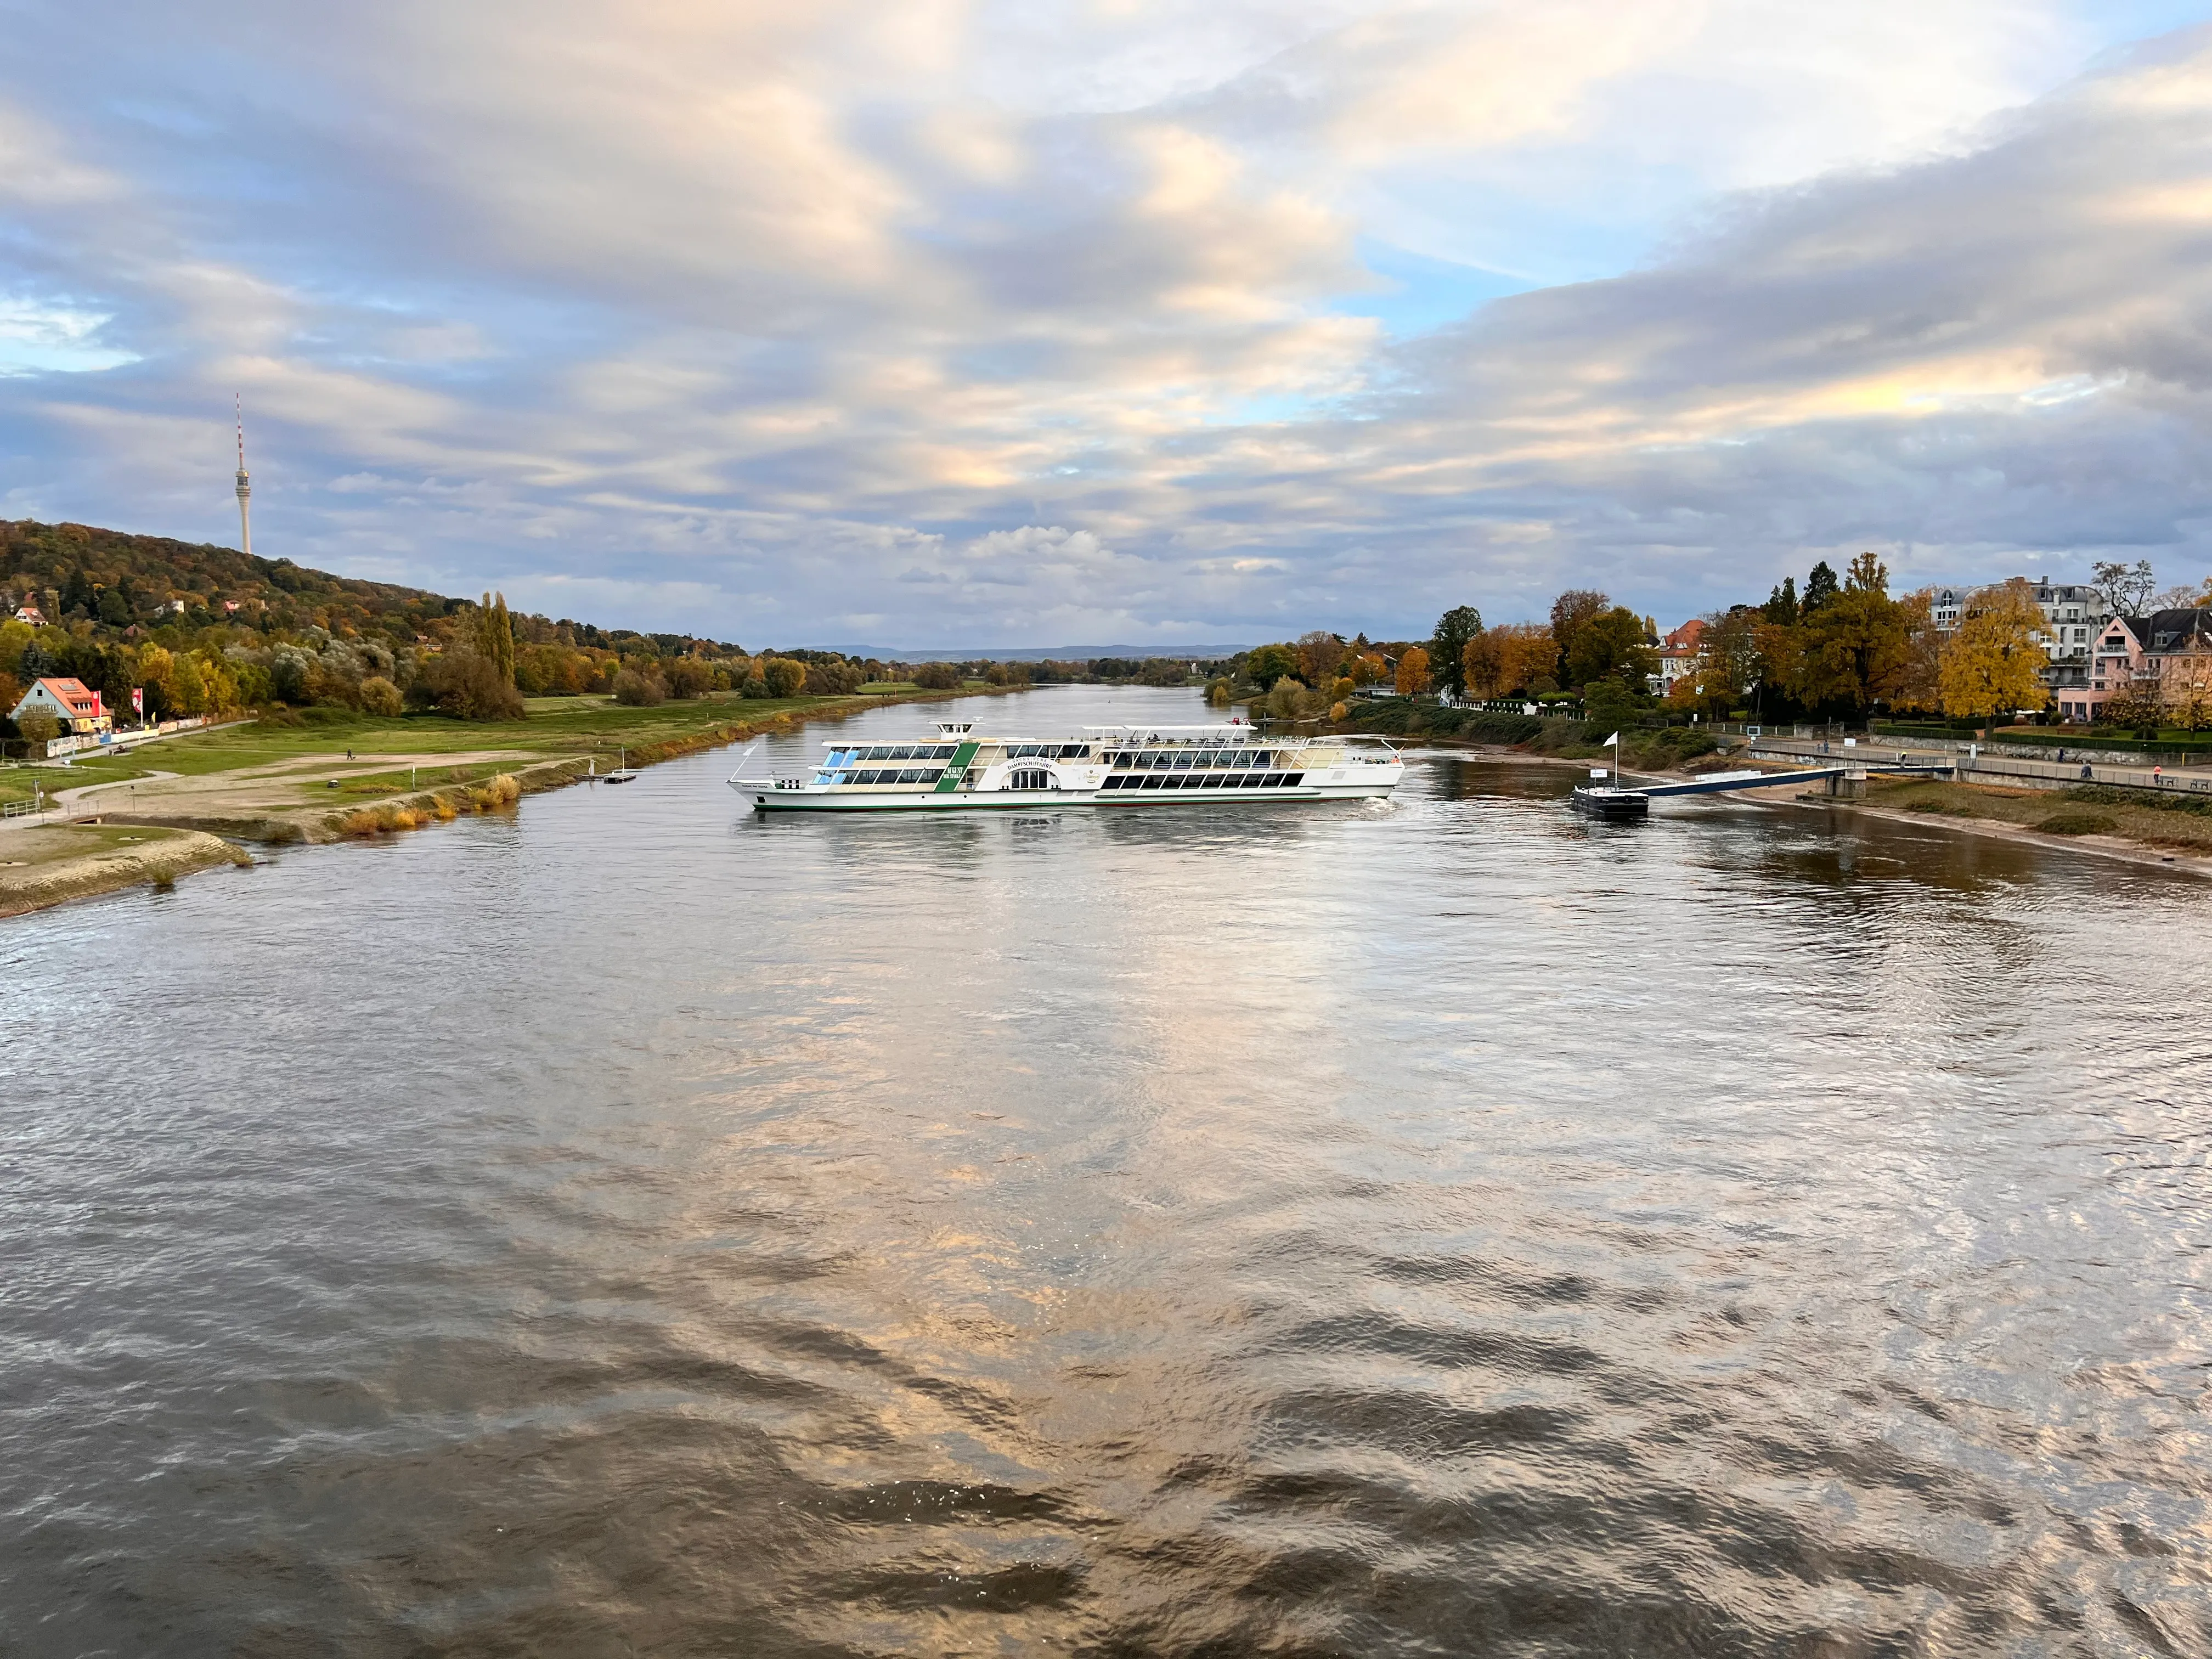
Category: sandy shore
<point>54,863</point>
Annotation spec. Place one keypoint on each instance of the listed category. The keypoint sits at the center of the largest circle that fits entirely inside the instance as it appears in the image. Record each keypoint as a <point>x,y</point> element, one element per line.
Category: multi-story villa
<point>1678,653</point>
<point>2160,650</point>
<point>2072,612</point>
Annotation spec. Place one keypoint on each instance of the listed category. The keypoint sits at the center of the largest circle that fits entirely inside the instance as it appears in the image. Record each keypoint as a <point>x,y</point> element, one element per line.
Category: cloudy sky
<point>1109,320</point>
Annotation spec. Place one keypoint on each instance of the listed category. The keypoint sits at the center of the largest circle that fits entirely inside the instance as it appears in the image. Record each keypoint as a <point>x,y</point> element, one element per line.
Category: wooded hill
<point>116,580</point>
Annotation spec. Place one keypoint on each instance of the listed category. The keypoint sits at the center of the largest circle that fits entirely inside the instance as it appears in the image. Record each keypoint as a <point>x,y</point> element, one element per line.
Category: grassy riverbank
<point>2091,812</point>
<point>1657,750</point>
<point>325,775</point>
<point>52,863</point>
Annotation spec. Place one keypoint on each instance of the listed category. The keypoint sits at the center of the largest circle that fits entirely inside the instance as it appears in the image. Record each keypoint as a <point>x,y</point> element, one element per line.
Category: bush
<point>2078,822</point>
<point>380,696</point>
<point>938,677</point>
<point>688,677</point>
<point>467,686</point>
<point>40,726</point>
<point>785,677</point>
<point>756,687</point>
<point>382,820</point>
<point>502,791</point>
<point>636,690</point>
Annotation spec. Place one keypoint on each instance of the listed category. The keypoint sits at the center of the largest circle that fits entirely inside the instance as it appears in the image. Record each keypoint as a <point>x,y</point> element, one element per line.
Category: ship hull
<point>1017,800</point>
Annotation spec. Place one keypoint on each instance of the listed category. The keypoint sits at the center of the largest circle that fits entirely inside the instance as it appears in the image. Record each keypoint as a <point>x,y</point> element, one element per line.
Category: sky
<point>964,325</point>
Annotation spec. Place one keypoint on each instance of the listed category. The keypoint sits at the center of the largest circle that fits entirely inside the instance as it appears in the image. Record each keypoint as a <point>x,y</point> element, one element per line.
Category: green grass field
<point>552,726</point>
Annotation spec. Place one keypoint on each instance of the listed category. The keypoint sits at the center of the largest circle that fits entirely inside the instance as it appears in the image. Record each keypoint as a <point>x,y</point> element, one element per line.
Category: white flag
<point>1615,738</point>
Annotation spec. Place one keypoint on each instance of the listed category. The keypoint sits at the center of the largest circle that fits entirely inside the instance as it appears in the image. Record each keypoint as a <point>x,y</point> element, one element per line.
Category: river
<point>1433,1227</point>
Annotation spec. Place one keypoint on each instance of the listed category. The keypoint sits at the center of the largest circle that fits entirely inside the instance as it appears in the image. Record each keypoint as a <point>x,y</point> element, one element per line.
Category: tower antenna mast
<point>245,490</point>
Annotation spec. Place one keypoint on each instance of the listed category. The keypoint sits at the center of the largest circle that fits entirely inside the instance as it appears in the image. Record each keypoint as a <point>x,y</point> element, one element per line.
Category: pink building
<point>2132,652</point>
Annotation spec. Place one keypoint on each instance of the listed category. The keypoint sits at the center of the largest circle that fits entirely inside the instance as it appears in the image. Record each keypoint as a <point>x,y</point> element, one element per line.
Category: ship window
<point>1212,781</point>
<point>1292,779</point>
<point>1032,777</point>
<point>1073,751</point>
<point>1181,762</point>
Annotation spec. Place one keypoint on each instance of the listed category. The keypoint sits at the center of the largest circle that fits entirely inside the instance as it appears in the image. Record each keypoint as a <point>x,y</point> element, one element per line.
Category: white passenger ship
<point>1107,766</point>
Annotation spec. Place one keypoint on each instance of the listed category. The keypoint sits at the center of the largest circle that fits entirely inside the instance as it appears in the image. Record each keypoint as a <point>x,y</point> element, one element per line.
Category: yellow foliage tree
<point>1993,662</point>
<point>1512,657</point>
<point>2184,684</point>
<point>1413,672</point>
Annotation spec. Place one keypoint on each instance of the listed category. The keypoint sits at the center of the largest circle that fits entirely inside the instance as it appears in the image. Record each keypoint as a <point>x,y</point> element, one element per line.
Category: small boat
<point>621,774</point>
<point>1608,800</point>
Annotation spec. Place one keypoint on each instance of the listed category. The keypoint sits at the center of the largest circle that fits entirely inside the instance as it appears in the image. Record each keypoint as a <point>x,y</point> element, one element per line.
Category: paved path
<point>1987,768</point>
<point>65,803</point>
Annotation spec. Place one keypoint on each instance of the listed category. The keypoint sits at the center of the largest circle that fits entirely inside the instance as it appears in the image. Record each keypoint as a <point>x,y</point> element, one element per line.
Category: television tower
<point>245,490</point>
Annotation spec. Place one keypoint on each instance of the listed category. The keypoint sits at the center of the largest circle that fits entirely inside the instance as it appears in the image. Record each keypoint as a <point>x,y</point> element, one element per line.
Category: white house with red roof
<point>1679,653</point>
<point>70,702</point>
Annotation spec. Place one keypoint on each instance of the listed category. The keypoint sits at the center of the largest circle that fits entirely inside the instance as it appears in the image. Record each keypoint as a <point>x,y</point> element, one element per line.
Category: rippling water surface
<point>1435,1227</point>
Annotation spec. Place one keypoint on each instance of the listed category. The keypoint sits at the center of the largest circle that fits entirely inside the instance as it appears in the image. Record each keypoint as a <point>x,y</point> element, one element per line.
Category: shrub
<point>2106,795</point>
<point>40,726</point>
<point>938,677</point>
<point>380,696</point>
<point>2078,822</point>
<point>382,820</point>
<point>688,677</point>
<point>785,677</point>
<point>502,791</point>
<point>756,687</point>
<point>467,686</point>
<point>636,690</point>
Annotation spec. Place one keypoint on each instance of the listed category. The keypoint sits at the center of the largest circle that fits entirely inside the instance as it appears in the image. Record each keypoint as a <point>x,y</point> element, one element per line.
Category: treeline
<point>1844,648</point>
<point>200,629</point>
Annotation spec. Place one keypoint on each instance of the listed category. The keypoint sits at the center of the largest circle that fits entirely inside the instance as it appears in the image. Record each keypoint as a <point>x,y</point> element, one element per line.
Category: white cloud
<point>987,322</point>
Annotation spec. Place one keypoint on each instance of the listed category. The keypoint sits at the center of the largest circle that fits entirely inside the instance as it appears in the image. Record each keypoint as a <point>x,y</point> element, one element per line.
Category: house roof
<point>72,694</point>
<point>2171,630</point>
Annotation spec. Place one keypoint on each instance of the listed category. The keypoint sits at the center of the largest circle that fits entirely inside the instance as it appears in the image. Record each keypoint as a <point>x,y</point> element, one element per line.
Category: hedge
<point>2058,736</point>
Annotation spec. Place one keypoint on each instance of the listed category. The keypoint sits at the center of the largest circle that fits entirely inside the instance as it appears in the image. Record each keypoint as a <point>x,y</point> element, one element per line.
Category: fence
<point>57,747</point>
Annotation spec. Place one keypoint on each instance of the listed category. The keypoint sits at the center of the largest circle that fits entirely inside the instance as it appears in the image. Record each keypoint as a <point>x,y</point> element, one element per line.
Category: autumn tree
<point>1854,644</point>
<point>1318,653</point>
<point>493,635</point>
<point>1529,656</point>
<point>1919,685</point>
<point>1448,645</point>
<point>1482,664</point>
<point>1570,613</point>
<point>1413,672</point>
<point>39,727</point>
<point>1611,645</point>
<point>1368,669</point>
<point>2185,685</point>
<point>1270,663</point>
<point>1993,662</point>
<point>1729,663</point>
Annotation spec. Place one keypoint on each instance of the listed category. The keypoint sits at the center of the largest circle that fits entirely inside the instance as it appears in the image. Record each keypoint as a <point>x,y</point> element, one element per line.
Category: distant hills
<point>123,581</point>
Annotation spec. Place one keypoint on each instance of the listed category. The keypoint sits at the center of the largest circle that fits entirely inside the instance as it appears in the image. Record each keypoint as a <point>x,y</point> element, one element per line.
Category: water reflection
<point>1437,1226</point>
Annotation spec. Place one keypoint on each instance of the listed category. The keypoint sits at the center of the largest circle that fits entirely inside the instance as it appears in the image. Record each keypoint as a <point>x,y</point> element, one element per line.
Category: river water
<point>1432,1227</point>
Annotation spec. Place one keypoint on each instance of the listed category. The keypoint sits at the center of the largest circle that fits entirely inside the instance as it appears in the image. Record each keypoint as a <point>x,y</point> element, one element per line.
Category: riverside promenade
<point>1982,767</point>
